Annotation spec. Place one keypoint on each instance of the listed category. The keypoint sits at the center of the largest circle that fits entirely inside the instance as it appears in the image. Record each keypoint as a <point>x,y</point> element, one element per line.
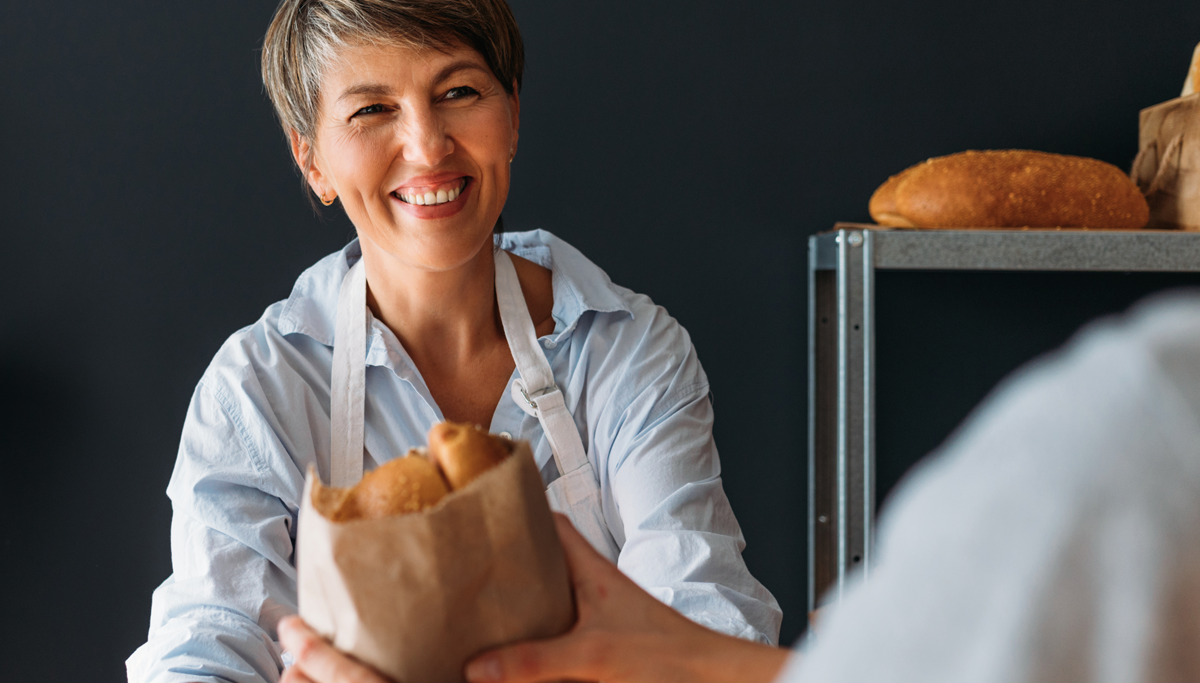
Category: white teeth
<point>430,198</point>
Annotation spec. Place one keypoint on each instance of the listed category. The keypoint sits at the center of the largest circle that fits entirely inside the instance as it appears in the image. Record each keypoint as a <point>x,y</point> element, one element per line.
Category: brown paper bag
<point>1167,168</point>
<point>416,595</point>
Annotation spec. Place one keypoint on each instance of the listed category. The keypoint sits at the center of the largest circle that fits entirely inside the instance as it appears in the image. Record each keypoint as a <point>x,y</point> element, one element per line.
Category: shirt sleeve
<point>232,545</point>
<point>678,535</point>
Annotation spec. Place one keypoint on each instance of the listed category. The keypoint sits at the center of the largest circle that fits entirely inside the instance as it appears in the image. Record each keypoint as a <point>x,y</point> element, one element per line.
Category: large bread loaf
<point>1010,189</point>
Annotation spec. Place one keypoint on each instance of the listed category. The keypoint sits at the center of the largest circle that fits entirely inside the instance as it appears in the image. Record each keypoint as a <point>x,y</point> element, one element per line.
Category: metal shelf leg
<point>841,410</point>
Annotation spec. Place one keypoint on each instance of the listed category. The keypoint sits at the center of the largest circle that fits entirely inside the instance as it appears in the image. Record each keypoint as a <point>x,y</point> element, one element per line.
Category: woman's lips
<point>430,195</point>
<point>434,201</point>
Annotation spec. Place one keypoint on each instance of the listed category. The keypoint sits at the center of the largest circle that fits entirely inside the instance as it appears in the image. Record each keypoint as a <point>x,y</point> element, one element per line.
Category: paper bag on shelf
<point>1167,167</point>
<point>416,595</point>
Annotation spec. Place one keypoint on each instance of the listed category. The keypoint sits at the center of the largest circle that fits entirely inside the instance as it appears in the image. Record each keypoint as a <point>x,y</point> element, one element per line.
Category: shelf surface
<point>1045,250</point>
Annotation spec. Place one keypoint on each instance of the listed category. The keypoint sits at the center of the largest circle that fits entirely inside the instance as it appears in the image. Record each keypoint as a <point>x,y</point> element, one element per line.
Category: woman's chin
<point>433,248</point>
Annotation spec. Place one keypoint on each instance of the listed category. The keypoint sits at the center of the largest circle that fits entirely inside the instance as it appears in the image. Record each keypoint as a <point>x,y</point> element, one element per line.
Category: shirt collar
<point>311,309</point>
<point>579,285</point>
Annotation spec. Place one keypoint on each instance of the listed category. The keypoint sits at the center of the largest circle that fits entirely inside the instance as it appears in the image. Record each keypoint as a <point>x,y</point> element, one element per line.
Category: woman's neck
<point>450,325</point>
<point>444,317</point>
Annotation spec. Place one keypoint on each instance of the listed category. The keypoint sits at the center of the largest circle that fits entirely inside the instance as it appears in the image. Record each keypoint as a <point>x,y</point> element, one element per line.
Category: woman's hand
<point>316,661</point>
<point>624,635</point>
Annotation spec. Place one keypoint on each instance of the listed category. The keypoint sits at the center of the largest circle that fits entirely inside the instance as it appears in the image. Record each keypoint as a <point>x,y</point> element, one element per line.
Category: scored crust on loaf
<point>1013,189</point>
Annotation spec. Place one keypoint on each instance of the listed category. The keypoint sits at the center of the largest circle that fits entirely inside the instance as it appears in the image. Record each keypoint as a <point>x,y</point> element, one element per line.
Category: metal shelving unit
<point>841,351</point>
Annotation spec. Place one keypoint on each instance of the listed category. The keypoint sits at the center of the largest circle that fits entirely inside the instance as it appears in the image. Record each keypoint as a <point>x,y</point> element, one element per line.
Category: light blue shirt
<point>260,417</point>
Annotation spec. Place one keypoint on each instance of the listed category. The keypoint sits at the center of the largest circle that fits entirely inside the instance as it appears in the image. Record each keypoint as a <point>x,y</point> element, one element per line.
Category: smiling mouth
<point>432,194</point>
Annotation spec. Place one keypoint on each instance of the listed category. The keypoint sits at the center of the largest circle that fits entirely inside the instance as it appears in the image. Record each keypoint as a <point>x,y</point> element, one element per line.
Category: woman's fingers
<point>317,659</point>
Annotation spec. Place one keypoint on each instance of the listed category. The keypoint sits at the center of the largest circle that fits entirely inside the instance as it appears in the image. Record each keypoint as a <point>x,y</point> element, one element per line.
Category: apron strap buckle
<point>528,401</point>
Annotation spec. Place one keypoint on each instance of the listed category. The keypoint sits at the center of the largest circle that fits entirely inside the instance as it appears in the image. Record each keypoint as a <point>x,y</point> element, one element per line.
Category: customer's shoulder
<point>1123,358</point>
<point>1166,322</point>
<point>1163,333</point>
<point>1121,385</point>
<point>1156,340</point>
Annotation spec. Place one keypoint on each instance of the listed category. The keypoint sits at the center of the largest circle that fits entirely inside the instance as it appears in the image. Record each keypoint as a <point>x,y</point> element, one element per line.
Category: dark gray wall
<point>688,146</point>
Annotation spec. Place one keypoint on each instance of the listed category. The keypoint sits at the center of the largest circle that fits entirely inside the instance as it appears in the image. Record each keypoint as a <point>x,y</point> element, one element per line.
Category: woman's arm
<point>679,537</point>
<point>231,545</point>
<point>625,635</point>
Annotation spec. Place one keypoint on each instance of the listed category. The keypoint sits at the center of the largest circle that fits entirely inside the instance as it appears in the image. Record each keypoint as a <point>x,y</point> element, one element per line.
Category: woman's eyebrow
<point>372,89</point>
<point>381,90</point>
<point>461,65</point>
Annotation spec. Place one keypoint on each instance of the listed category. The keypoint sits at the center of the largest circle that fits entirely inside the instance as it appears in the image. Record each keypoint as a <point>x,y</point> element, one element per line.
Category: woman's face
<point>417,145</point>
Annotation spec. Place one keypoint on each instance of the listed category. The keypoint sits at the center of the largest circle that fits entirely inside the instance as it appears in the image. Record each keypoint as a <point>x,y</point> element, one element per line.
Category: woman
<point>408,114</point>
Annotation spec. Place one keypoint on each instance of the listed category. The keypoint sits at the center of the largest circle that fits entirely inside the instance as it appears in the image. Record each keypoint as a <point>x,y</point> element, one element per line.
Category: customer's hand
<point>316,661</point>
<point>624,635</point>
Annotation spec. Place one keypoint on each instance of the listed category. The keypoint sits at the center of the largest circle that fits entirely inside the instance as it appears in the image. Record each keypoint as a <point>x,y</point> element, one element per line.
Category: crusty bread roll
<point>883,204</point>
<point>1010,189</point>
<point>464,452</point>
<point>400,486</point>
<point>458,454</point>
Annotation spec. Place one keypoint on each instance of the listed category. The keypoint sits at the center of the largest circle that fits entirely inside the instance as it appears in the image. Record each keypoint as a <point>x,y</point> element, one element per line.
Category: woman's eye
<point>373,109</point>
<point>461,92</point>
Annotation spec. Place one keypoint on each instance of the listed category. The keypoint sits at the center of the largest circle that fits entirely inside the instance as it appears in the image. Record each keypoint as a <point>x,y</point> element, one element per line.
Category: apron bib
<point>576,493</point>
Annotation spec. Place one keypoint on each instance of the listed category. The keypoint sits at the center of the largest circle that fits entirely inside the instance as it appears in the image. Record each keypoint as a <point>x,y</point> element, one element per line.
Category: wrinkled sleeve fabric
<point>678,535</point>
<point>231,546</point>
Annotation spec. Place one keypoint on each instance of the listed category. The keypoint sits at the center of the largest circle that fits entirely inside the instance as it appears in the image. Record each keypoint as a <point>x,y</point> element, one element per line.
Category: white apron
<point>576,493</point>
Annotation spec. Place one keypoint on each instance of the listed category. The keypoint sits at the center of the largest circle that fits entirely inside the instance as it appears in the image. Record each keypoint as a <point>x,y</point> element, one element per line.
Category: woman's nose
<point>424,139</point>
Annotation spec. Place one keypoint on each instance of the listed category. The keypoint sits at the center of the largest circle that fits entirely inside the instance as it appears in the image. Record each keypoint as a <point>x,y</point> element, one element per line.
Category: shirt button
<point>550,343</point>
<point>506,435</point>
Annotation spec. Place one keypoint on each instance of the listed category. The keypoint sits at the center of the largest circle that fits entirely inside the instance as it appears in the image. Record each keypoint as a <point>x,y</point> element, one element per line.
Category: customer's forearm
<point>725,659</point>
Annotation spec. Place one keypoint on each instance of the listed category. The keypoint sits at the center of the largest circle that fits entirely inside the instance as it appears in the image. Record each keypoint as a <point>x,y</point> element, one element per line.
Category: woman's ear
<point>302,153</point>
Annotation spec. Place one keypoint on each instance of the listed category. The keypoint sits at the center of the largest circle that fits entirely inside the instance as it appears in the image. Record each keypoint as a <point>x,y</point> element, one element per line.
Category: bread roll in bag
<point>415,595</point>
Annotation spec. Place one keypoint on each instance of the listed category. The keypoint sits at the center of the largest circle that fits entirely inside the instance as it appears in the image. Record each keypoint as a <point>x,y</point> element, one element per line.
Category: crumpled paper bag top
<point>417,595</point>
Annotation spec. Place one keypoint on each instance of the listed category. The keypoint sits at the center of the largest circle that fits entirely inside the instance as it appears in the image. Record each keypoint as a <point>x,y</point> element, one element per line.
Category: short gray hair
<point>305,35</point>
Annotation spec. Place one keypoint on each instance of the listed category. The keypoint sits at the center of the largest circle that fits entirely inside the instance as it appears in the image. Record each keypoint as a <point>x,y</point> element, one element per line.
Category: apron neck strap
<point>518,329</point>
<point>349,383</point>
<point>535,391</point>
